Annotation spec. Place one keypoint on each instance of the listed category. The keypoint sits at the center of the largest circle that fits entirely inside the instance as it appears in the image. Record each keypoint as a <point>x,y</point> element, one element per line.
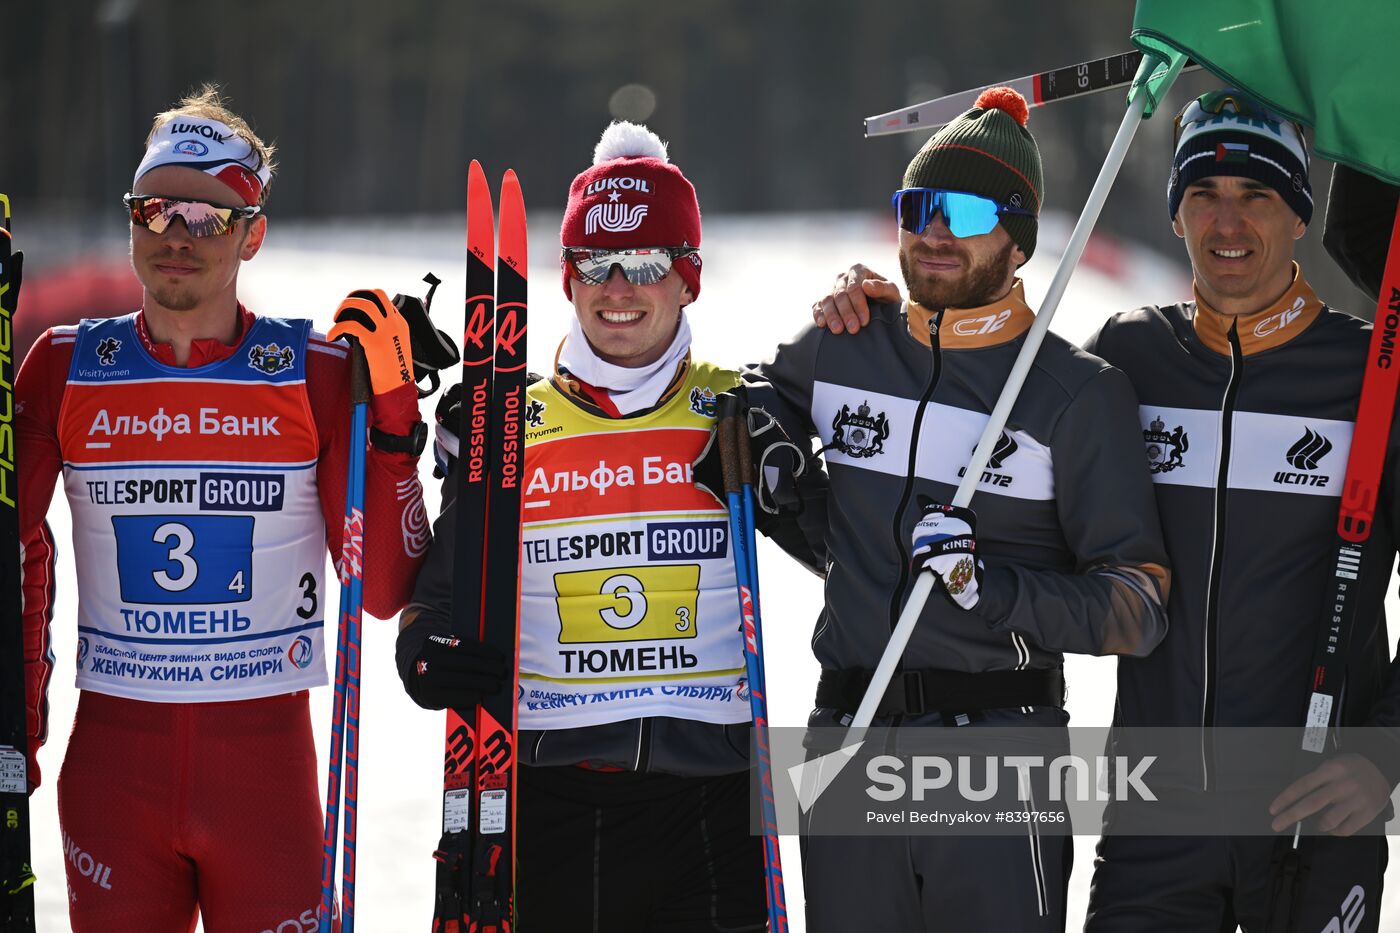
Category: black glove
<point>11,274</point>
<point>439,670</point>
<point>776,460</point>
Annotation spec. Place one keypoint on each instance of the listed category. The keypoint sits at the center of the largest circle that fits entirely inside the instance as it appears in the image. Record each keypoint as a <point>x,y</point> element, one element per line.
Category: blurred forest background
<point>376,108</point>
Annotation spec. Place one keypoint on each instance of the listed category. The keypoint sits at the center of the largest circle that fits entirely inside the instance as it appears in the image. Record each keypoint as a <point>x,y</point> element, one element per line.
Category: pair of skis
<point>475,890</point>
<point>16,876</point>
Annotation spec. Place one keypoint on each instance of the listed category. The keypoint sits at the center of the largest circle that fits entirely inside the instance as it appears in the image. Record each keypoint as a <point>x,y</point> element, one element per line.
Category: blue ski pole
<point>345,713</point>
<point>738,487</point>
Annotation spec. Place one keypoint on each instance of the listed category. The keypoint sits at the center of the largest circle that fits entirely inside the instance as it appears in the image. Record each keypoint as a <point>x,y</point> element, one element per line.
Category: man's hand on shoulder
<point>847,308</point>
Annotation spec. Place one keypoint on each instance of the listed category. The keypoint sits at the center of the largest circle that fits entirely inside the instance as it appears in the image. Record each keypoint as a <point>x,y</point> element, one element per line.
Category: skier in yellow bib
<point>633,711</point>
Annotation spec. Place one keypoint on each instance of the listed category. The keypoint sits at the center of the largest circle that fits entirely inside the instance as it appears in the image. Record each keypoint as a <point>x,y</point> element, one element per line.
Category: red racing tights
<point>170,810</point>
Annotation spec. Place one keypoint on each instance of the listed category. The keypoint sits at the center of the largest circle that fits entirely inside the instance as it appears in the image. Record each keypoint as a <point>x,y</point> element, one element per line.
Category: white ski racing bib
<point>197,529</point>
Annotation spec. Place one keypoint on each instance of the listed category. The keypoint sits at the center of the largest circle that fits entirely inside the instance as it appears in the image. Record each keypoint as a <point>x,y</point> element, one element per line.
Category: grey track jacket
<point>1067,525</point>
<point>1248,436</point>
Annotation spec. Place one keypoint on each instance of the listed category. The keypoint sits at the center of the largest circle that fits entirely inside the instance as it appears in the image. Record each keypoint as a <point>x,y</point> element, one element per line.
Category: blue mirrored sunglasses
<point>966,214</point>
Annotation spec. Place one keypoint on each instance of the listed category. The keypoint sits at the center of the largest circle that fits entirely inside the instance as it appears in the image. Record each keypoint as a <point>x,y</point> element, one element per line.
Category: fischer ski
<point>1038,90</point>
<point>476,855</point>
<point>16,874</point>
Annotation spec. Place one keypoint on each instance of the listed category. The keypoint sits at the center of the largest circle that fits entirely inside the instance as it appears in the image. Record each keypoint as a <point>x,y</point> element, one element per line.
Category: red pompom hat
<point>631,197</point>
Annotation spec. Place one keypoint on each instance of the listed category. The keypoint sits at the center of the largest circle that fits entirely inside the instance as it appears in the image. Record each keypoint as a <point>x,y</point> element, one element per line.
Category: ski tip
<point>513,241</point>
<point>481,217</point>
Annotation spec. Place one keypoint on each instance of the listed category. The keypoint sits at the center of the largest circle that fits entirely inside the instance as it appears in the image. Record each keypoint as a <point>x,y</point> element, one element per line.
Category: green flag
<point>1330,65</point>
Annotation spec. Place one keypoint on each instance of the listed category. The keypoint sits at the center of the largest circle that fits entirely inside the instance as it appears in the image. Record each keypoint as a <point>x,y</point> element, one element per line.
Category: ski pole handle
<point>359,374</point>
<point>727,434</point>
<point>745,449</point>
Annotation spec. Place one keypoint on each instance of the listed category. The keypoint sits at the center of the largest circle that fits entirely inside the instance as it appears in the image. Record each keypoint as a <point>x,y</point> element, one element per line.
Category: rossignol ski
<point>476,856</point>
<point>16,876</point>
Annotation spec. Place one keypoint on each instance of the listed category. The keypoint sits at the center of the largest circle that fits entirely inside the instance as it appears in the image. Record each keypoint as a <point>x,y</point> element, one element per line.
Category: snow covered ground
<point>761,275</point>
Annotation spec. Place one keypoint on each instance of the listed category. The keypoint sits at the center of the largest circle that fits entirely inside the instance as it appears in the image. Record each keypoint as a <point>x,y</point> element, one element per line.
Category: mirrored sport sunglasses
<point>644,266</point>
<point>966,214</point>
<point>201,217</point>
<point>1209,106</point>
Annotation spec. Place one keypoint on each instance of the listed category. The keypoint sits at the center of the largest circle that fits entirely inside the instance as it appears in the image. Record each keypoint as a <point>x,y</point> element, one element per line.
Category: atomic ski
<point>1360,495</point>
<point>16,877</point>
<point>476,856</point>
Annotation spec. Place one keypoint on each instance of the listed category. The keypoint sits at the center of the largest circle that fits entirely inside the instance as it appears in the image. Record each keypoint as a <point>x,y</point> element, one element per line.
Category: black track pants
<point>935,884</point>
<point>1180,884</point>
<point>637,853</point>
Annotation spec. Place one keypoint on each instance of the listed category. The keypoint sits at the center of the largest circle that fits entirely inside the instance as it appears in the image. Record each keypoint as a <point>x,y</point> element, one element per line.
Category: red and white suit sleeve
<point>39,393</point>
<point>397,531</point>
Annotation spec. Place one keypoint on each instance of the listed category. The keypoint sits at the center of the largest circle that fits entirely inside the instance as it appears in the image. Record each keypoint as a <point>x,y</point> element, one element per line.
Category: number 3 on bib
<point>175,559</point>
<point>627,604</point>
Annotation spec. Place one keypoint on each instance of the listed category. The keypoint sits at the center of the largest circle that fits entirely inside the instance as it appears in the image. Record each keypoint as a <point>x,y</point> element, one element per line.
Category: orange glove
<point>370,317</point>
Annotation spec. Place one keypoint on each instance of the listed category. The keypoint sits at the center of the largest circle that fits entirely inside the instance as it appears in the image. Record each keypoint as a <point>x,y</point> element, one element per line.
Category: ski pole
<point>345,715</point>
<point>737,464</point>
<point>814,776</point>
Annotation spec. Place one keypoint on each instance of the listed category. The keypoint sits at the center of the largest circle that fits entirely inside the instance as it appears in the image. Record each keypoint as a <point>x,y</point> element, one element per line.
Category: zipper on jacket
<point>901,545</point>
<point>1217,557</point>
<point>643,761</point>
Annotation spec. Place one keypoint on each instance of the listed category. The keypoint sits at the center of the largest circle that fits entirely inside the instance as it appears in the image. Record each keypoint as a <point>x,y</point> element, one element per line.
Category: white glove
<point>945,542</point>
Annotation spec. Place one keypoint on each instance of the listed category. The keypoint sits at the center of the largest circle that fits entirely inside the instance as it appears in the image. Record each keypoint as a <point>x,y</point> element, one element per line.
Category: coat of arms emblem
<point>858,433</point>
<point>703,402</point>
<point>1164,450</point>
<point>271,359</point>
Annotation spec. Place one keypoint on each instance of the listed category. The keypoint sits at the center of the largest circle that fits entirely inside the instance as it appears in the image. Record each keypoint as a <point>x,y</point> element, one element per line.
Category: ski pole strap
<point>432,349</point>
<point>914,693</point>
